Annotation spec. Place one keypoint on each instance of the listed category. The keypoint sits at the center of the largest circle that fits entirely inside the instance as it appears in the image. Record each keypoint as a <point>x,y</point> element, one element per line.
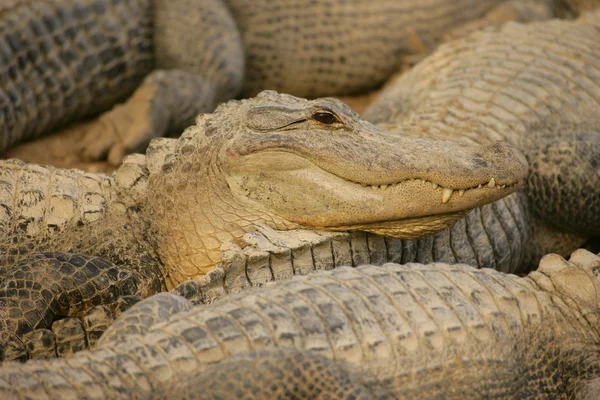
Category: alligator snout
<point>504,161</point>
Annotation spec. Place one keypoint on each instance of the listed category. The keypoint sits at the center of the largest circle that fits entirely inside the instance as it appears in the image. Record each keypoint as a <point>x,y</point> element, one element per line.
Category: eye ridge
<point>325,117</point>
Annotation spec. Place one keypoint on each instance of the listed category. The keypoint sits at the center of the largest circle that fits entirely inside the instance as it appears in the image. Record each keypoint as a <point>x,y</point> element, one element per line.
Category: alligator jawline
<point>406,228</point>
<point>445,193</point>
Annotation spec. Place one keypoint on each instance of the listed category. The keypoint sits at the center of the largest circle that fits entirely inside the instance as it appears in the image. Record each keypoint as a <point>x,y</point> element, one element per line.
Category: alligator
<point>72,240</point>
<point>392,331</point>
<point>162,225</point>
<point>65,60</point>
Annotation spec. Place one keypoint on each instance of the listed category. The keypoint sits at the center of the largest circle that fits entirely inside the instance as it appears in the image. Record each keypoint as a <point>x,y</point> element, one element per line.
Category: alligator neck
<point>192,211</point>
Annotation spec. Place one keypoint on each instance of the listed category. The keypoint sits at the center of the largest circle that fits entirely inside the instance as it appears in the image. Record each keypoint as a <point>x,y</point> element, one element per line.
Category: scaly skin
<point>533,85</point>
<point>379,332</point>
<point>72,334</point>
<point>65,60</point>
<point>503,235</point>
<point>162,218</point>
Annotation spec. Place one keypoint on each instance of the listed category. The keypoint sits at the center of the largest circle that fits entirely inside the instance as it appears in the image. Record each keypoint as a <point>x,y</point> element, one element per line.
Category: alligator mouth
<point>303,192</point>
<point>436,219</point>
<point>445,193</point>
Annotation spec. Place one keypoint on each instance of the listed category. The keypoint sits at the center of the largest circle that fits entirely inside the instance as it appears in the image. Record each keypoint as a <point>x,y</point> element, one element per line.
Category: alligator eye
<point>325,118</point>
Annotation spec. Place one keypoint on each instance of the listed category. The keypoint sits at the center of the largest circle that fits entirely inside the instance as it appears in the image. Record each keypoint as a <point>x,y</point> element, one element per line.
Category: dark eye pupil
<point>324,118</point>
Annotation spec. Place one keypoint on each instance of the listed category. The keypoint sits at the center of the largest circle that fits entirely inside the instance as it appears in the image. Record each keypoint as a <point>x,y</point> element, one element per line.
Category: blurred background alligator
<point>65,60</point>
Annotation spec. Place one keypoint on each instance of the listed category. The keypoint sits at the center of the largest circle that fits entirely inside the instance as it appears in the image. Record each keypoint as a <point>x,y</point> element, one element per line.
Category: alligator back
<point>61,59</point>
<point>340,47</point>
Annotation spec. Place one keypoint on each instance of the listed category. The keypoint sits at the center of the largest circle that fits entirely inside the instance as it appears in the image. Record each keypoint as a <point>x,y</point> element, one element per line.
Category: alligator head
<point>293,163</point>
<point>319,165</point>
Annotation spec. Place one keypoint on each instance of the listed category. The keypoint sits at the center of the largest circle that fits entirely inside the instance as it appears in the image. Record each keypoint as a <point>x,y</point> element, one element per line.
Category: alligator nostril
<point>481,163</point>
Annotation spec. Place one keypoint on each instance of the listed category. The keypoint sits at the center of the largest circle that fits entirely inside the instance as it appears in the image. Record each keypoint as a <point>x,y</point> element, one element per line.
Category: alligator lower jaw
<point>408,228</point>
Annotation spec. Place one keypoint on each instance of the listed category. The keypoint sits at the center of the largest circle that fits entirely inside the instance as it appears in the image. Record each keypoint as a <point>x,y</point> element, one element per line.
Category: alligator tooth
<point>479,186</point>
<point>374,187</point>
<point>446,193</point>
<point>364,185</point>
<point>384,187</point>
<point>435,185</point>
<point>492,183</point>
<point>461,192</point>
<point>503,186</point>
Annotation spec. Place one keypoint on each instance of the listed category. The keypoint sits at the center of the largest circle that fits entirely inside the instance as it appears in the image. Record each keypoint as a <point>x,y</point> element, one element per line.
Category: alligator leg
<point>200,63</point>
<point>167,101</point>
<point>47,286</point>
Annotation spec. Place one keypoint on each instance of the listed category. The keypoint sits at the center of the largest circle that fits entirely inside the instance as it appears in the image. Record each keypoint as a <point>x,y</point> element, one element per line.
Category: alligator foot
<point>126,128</point>
<point>166,102</point>
<point>574,279</point>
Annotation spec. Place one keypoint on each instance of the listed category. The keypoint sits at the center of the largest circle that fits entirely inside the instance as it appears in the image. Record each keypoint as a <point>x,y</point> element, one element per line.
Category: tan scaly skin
<point>393,331</point>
